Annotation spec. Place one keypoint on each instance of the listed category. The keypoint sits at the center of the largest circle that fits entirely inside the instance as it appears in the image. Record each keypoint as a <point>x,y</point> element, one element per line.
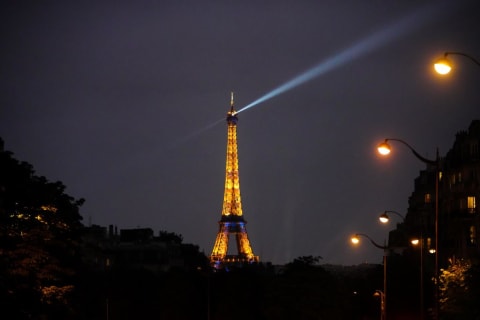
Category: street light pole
<point>384,309</point>
<point>383,296</point>
<point>415,242</point>
<point>384,149</point>
<point>437,279</point>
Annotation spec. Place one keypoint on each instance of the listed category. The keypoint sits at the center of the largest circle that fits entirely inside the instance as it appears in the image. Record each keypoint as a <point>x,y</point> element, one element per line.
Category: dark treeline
<point>300,291</point>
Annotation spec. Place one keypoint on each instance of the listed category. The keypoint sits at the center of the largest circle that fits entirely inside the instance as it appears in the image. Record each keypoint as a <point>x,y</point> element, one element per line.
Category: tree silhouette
<point>39,232</point>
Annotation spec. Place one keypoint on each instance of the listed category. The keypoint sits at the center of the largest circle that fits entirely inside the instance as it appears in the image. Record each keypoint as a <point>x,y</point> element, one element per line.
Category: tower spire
<point>232,222</point>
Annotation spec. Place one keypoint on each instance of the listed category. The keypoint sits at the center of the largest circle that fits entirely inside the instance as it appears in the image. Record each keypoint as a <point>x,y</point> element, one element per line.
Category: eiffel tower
<point>232,222</point>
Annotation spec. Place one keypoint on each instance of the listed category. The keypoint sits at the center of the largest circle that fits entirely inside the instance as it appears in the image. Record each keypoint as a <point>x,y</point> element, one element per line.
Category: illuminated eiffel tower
<point>232,222</point>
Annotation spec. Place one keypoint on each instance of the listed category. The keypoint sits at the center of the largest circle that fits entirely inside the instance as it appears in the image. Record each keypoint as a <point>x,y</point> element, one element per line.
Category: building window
<point>428,198</point>
<point>472,235</point>
<point>471,204</point>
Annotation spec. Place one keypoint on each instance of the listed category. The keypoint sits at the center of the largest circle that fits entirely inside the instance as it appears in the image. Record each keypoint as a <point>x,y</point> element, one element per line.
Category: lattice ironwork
<point>232,223</point>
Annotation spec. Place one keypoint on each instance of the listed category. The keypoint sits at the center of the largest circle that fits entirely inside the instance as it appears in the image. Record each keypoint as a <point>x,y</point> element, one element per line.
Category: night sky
<point>125,103</point>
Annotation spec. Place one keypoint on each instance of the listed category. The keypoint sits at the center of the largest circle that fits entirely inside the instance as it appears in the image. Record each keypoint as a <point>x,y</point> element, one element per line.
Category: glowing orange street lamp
<point>443,66</point>
<point>385,149</point>
<point>384,218</point>
<point>355,239</point>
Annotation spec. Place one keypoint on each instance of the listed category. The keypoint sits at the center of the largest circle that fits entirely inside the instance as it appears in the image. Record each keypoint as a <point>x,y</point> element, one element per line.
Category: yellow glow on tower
<point>232,222</point>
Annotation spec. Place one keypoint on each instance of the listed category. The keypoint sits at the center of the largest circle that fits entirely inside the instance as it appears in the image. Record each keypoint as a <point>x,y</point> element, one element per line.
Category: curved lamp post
<point>383,297</point>
<point>443,66</point>
<point>384,149</point>
<point>379,293</point>
<point>416,242</point>
<point>356,240</point>
<point>384,218</point>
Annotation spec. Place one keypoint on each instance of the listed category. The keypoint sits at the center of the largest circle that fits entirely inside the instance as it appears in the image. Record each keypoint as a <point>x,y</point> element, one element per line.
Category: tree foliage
<point>304,262</point>
<point>459,287</point>
<point>39,225</point>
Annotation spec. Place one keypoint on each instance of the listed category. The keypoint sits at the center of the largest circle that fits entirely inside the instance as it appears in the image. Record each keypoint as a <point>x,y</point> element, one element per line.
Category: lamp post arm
<point>398,214</point>
<point>463,54</point>
<point>373,242</point>
<point>415,153</point>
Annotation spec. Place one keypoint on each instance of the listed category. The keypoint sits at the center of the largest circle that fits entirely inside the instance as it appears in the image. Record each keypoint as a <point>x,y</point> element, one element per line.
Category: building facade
<point>458,198</point>
<point>138,248</point>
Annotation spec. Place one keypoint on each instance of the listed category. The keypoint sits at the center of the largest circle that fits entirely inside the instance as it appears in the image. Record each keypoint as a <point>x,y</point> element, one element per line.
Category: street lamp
<point>356,240</point>
<point>385,149</point>
<point>416,242</point>
<point>443,66</point>
<point>379,293</point>
<point>384,218</point>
